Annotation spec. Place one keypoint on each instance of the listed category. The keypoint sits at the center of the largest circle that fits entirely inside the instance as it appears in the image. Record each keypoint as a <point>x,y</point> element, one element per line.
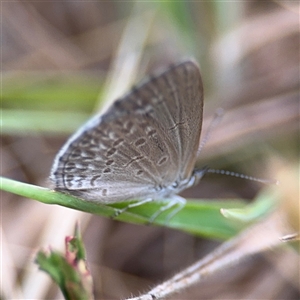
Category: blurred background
<point>64,61</point>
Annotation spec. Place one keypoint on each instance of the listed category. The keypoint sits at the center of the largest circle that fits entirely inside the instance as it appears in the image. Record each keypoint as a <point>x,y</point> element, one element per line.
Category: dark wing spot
<point>109,162</point>
<point>69,167</point>
<point>68,179</point>
<point>107,170</point>
<point>139,172</point>
<point>140,142</point>
<point>118,103</point>
<point>94,179</point>
<point>111,151</point>
<point>75,154</point>
<point>85,142</point>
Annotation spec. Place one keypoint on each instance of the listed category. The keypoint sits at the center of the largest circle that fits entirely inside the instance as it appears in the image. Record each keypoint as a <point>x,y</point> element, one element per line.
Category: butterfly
<point>144,147</point>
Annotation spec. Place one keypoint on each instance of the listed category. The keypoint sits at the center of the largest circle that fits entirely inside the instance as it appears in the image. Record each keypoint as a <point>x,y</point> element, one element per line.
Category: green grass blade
<point>198,217</point>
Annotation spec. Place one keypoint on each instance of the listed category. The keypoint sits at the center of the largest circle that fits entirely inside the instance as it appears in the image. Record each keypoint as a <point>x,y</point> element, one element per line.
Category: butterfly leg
<point>174,201</point>
<point>141,202</point>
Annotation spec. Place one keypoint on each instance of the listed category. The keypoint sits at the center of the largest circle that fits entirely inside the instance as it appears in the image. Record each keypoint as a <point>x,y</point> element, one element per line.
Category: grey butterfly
<point>143,148</point>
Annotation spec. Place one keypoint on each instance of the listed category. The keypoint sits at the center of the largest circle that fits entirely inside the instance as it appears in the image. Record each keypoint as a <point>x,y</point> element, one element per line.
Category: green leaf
<point>198,217</point>
<point>264,203</point>
<point>29,122</point>
<point>48,91</point>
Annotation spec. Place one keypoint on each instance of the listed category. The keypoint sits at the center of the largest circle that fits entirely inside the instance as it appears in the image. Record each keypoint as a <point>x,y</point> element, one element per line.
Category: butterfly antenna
<point>215,121</point>
<point>239,175</point>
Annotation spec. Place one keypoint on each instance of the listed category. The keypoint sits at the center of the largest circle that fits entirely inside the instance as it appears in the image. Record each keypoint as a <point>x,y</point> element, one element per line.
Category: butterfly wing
<point>144,142</point>
<point>177,103</point>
